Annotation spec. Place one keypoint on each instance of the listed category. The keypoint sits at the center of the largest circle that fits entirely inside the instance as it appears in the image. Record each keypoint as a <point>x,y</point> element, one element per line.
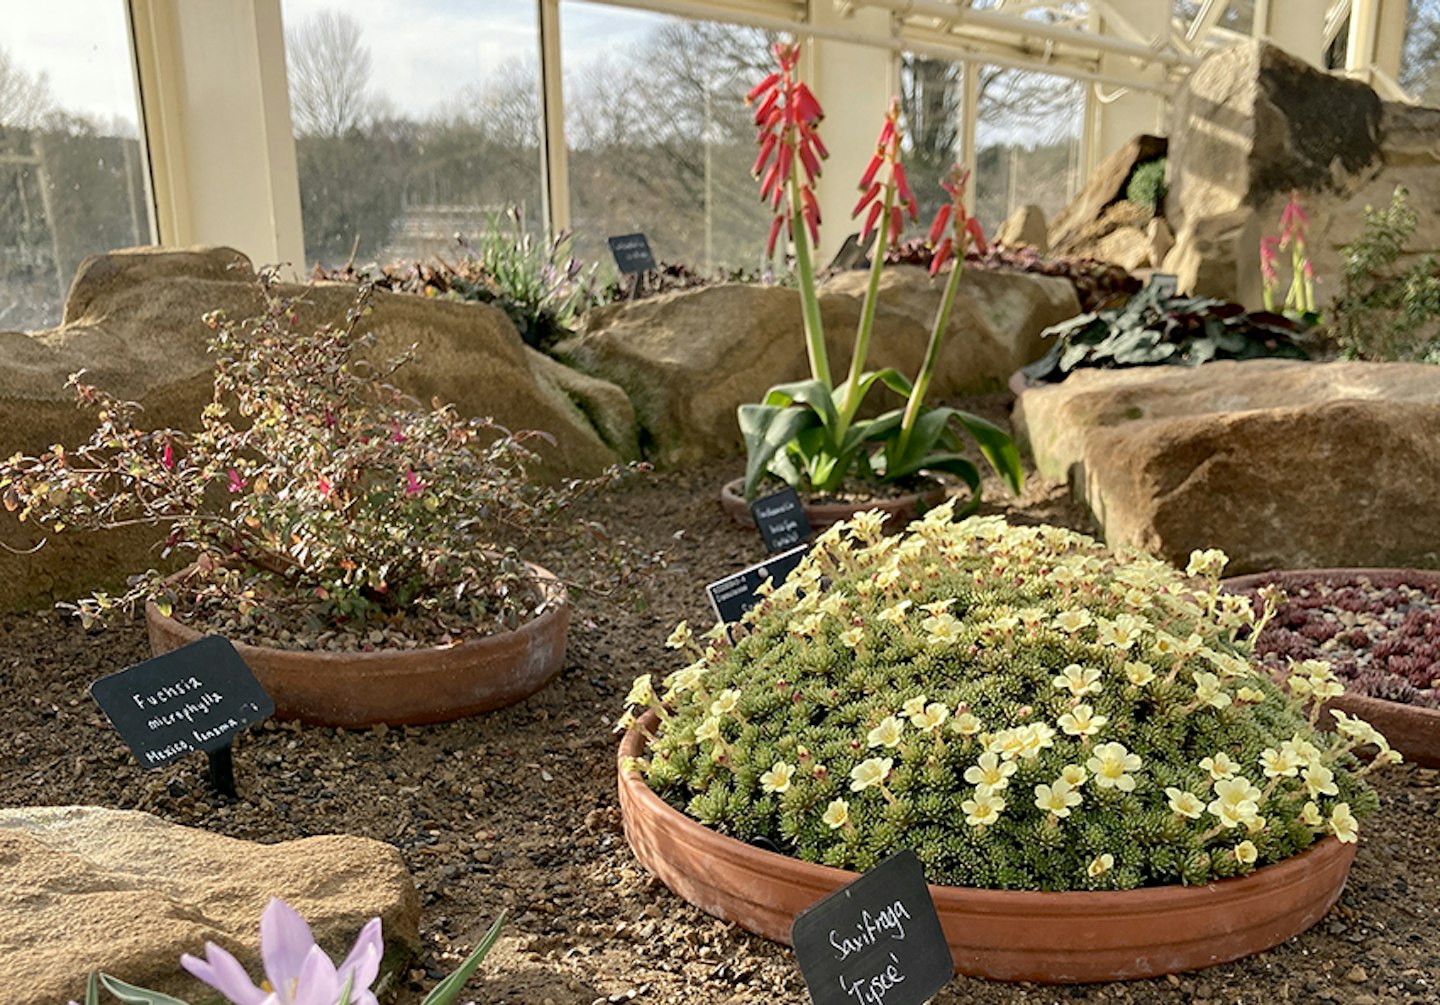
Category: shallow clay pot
<point>400,686</point>
<point>1007,935</point>
<point>1412,730</point>
<point>901,509</point>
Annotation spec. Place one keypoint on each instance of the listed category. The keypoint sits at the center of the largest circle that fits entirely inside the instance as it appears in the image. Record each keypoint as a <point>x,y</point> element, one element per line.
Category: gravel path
<point>517,809</point>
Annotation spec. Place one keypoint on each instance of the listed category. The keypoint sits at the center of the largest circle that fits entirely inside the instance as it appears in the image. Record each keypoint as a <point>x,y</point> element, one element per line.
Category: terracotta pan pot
<point>1411,729</point>
<point>400,686</point>
<point>901,509</point>
<point>1007,935</point>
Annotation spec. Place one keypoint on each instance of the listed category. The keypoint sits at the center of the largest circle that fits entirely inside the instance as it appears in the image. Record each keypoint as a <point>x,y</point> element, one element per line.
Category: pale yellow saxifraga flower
<point>913,707</point>
<point>686,679</point>
<point>1246,853</point>
<point>1064,575</point>
<point>1122,633</point>
<point>1209,690</point>
<point>983,810</point>
<point>1139,673</point>
<point>837,814</point>
<point>834,604</point>
<point>709,729</point>
<point>1073,621</point>
<point>1074,775</point>
<point>766,587</point>
<point>886,734</point>
<point>1343,824</point>
<point>1220,766</point>
<point>1166,644</point>
<point>1236,801</point>
<point>887,578</point>
<point>680,637</point>
<point>1111,765</point>
<point>1033,739</point>
<point>990,773</point>
<point>1100,865</point>
<point>809,626</point>
<point>777,779</point>
<point>871,772</point>
<point>1082,721</point>
<point>626,720</point>
<point>1304,750</point>
<point>1356,728</point>
<point>1280,763</point>
<point>1310,815</point>
<point>1320,781</point>
<point>725,702</point>
<point>1136,598</point>
<point>941,629</point>
<point>641,691</point>
<point>1208,563</point>
<point>1004,623</point>
<point>895,613</point>
<point>868,524</point>
<point>1078,680</point>
<point>1030,617</point>
<point>1250,695</point>
<point>852,637</point>
<point>938,607</point>
<point>966,724</point>
<point>1228,664</point>
<point>1007,743</point>
<point>1057,798</point>
<point>931,717</point>
<point>1187,804</point>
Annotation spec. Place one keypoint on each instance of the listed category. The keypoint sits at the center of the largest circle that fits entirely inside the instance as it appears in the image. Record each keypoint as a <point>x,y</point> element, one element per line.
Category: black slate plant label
<point>632,253</point>
<point>877,941</point>
<point>781,519</point>
<point>196,697</point>
<point>735,594</point>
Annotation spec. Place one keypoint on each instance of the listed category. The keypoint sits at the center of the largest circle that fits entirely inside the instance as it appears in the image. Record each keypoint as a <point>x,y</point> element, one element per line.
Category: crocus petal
<point>317,983</point>
<point>285,943</point>
<point>225,974</point>
<point>363,962</point>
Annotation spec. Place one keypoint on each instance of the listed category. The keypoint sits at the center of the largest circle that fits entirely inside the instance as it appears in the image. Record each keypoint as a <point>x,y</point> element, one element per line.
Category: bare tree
<point>329,72</point>
<point>24,97</point>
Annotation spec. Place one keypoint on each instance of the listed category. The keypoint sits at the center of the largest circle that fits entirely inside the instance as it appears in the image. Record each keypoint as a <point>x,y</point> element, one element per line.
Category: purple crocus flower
<point>297,971</point>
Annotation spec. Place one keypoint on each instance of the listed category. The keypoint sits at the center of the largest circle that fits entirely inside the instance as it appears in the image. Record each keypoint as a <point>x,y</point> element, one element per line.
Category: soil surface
<point>517,809</point>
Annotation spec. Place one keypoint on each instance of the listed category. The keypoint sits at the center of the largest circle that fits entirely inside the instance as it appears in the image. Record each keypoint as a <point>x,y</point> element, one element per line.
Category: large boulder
<point>133,321</point>
<point>1093,213</point>
<point>1283,464</point>
<point>689,359</point>
<point>84,888</point>
<point>1253,123</point>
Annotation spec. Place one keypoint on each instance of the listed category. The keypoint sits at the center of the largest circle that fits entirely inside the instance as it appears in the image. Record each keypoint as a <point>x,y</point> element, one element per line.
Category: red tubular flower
<point>868,178</point>
<point>236,482</point>
<point>866,199</point>
<point>785,114</point>
<point>941,256</point>
<point>977,235</point>
<point>1269,254</point>
<point>942,217</point>
<point>874,215</point>
<point>774,235</point>
<point>769,82</point>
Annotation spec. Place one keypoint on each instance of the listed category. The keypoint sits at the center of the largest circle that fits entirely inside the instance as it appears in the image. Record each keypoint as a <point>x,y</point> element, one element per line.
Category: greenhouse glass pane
<point>72,172</point>
<point>659,138</point>
<point>415,124</point>
<point>1028,140</point>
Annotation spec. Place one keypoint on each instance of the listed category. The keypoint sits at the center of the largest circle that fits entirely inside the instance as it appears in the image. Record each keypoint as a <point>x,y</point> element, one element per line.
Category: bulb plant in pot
<point>810,433</point>
<point>1075,744</point>
<point>362,550</point>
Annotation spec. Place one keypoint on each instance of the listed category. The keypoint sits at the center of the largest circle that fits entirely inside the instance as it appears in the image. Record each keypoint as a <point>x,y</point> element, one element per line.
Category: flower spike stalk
<point>887,202</point>
<point>786,114</point>
<point>964,229</point>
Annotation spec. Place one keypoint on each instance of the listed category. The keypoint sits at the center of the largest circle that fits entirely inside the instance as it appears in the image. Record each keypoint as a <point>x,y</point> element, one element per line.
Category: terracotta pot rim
<point>556,600</point>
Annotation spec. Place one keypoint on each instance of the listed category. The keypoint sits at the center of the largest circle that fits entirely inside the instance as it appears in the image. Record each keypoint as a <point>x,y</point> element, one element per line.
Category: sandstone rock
<point>1252,124</point>
<point>1024,226</point>
<point>689,359</point>
<point>133,321</point>
<point>1161,239</point>
<point>84,888</point>
<point>1283,464</point>
<point>1106,186</point>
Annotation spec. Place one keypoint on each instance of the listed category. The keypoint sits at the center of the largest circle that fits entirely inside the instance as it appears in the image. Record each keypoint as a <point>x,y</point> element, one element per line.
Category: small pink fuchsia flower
<point>413,485</point>
<point>896,188</point>
<point>297,971</point>
<point>786,114</point>
<point>167,457</point>
<point>325,487</point>
<point>236,482</point>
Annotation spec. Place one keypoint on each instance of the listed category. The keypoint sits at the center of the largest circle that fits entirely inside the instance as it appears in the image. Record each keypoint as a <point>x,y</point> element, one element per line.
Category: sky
<point>422,51</point>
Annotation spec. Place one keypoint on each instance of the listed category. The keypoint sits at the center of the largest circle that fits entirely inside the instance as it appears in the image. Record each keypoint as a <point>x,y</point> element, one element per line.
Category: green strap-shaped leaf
<point>132,995</point>
<point>449,989</point>
<point>767,429</point>
<point>815,394</point>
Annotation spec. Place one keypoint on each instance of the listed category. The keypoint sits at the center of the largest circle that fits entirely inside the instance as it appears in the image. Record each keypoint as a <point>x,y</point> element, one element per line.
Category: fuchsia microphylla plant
<point>1294,225</point>
<point>808,433</point>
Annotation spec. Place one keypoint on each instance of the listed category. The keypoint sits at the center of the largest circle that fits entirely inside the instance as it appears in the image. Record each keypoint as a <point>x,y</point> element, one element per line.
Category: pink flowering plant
<point>809,433</point>
<point>1300,298</point>
<point>297,971</point>
<point>317,503</point>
